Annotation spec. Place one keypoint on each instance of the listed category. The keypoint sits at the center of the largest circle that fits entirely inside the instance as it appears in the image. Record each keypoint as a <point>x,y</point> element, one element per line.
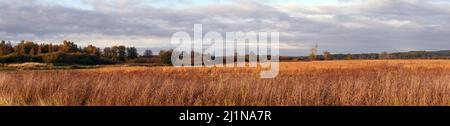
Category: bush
<point>57,59</point>
<point>13,58</point>
<point>74,59</point>
<point>166,57</point>
<point>145,60</point>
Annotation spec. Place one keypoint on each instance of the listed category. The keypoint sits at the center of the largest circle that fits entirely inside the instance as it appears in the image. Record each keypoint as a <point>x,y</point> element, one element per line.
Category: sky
<point>338,26</point>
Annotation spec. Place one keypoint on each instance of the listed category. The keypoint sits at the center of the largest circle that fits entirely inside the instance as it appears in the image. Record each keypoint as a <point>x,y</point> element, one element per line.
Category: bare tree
<point>148,53</point>
<point>313,55</point>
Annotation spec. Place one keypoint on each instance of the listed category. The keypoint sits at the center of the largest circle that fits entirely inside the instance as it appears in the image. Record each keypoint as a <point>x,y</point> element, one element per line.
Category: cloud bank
<point>349,27</point>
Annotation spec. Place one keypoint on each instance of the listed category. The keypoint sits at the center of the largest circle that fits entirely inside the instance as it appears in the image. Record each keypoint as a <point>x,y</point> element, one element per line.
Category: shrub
<point>72,59</point>
<point>14,58</point>
<point>166,57</point>
<point>145,60</point>
<point>57,59</point>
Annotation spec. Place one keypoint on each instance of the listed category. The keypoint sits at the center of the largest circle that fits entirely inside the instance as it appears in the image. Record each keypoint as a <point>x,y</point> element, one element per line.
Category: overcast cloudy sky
<point>339,26</point>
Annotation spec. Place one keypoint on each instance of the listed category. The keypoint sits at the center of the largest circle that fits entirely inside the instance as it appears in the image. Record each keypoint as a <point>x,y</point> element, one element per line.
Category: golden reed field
<point>327,83</point>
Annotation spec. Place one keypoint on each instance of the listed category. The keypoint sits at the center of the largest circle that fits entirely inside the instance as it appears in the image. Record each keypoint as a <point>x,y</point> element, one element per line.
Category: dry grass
<point>29,65</point>
<point>411,82</point>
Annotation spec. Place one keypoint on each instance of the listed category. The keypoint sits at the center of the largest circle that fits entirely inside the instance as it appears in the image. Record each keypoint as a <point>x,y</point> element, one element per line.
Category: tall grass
<point>410,83</point>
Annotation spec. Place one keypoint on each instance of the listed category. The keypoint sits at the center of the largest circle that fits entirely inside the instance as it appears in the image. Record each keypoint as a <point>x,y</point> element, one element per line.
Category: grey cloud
<point>395,25</point>
<point>373,26</point>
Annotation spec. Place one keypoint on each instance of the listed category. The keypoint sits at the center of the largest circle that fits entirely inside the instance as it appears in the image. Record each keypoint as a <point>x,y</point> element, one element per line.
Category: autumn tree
<point>39,50</point>
<point>6,48</point>
<point>91,50</point>
<point>166,56</point>
<point>2,48</point>
<point>19,49</point>
<point>50,48</point>
<point>32,52</point>
<point>349,57</point>
<point>67,51</point>
<point>69,47</point>
<point>327,55</point>
<point>29,46</point>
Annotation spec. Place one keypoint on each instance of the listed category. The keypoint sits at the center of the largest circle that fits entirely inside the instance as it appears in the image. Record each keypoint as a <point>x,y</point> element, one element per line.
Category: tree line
<point>70,53</point>
<point>443,54</point>
<point>28,51</point>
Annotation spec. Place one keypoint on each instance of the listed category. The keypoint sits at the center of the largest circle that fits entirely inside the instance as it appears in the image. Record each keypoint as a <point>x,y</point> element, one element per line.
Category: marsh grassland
<point>327,83</point>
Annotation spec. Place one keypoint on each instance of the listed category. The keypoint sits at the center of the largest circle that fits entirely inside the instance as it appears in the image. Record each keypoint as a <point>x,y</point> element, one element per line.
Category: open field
<point>393,82</point>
